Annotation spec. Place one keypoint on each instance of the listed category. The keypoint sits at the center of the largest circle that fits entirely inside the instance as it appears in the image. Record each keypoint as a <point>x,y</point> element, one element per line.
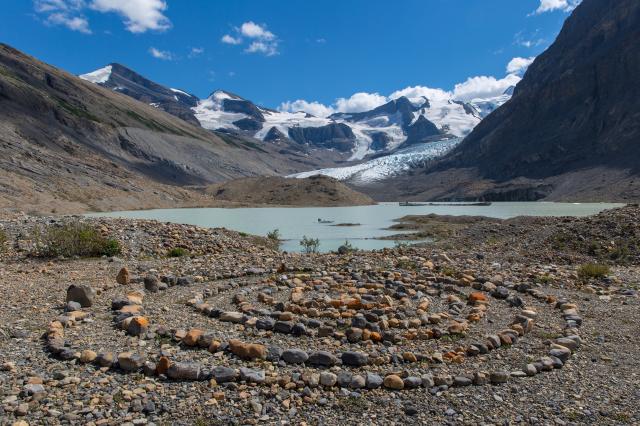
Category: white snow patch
<point>98,76</point>
<point>180,91</point>
<point>387,166</point>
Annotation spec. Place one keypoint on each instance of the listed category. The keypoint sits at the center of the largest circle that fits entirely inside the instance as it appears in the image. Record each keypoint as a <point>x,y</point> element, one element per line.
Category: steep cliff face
<point>577,107</point>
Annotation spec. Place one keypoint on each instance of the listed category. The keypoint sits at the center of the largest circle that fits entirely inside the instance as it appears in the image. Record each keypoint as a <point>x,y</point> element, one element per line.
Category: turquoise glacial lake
<point>296,222</point>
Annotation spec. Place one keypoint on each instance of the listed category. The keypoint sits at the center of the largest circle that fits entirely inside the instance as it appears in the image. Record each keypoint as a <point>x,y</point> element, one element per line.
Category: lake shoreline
<point>366,227</point>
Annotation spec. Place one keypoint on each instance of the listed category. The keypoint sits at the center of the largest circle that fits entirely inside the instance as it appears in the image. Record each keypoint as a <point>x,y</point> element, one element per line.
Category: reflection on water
<point>293,223</point>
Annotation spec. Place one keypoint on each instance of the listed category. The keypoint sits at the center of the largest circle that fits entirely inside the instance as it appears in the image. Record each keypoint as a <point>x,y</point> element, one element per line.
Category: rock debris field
<point>236,332</point>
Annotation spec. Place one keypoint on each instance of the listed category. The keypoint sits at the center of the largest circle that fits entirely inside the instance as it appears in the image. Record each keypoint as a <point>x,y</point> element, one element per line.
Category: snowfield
<point>101,75</point>
<point>388,166</point>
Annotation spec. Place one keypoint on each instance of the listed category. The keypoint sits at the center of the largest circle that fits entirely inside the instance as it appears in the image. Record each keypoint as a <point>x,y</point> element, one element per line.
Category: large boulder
<point>82,294</point>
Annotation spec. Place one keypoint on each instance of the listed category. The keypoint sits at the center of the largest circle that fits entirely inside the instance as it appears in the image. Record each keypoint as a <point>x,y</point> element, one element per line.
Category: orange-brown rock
<point>163,365</point>
<point>191,338</point>
<point>123,277</point>
<point>409,357</point>
<point>477,297</point>
<point>457,327</point>
<point>131,309</point>
<point>247,350</point>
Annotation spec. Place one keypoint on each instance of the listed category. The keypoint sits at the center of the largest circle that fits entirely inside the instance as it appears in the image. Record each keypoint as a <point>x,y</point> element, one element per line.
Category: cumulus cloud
<point>479,87</point>
<point>313,108</point>
<point>260,39</point>
<point>228,39</point>
<point>483,87</point>
<point>161,54</point>
<point>420,92</point>
<point>139,15</point>
<point>360,102</point>
<point>74,23</point>
<point>252,30</point>
<point>268,49</point>
<point>551,5</point>
<point>518,65</point>
<point>67,13</point>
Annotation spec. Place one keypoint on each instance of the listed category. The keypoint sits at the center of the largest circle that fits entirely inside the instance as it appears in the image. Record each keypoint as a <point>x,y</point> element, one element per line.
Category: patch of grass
<point>77,111</point>
<point>3,240</point>
<point>544,279</point>
<point>407,264</point>
<point>243,234</point>
<point>621,417</point>
<point>359,404</point>
<point>310,245</point>
<point>593,270</point>
<point>178,252</point>
<point>73,239</point>
<point>452,337</point>
<point>448,271</point>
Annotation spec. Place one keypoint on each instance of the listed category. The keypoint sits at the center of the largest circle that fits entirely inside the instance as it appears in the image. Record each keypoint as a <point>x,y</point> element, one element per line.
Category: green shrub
<point>310,245</point>
<point>274,235</point>
<point>346,248</point>
<point>3,240</point>
<point>178,252</point>
<point>593,270</point>
<point>401,244</point>
<point>73,239</point>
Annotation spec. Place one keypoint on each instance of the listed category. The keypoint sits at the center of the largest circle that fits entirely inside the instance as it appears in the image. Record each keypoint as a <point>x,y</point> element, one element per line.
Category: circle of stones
<point>368,307</point>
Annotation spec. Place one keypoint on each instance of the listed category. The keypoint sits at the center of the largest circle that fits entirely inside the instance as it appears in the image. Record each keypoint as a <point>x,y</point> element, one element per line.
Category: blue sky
<point>272,51</point>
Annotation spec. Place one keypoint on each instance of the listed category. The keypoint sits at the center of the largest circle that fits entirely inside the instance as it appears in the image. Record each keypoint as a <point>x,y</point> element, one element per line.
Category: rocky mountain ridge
<point>395,125</point>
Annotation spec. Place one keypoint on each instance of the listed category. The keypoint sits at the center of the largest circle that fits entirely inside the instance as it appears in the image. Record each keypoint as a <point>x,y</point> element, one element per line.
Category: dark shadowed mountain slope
<point>578,105</point>
<point>571,130</point>
<point>67,142</point>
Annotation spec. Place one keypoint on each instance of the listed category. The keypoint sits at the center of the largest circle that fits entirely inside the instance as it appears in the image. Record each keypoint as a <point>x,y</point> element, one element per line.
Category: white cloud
<point>139,15</point>
<point>551,5</point>
<point>161,54</point>
<point>195,52</point>
<point>228,39</point>
<point>67,13</point>
<point>261,40</point>
<point>360,102</point>
<point>472,88</point>
<point>483,87</point>
<point>518,66</point>
<point>422,91</point>
<point>252,30</point>
<point>313,108</point>
<point>75,23</point>
<point>269,49</point>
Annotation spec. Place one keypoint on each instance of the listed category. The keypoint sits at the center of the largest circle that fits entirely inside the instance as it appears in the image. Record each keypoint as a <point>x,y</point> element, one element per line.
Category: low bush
<point>73,239</point>
<point>274,235</point>
<point>593,270</point>
<point>310,245</point>
<point>178,252</point>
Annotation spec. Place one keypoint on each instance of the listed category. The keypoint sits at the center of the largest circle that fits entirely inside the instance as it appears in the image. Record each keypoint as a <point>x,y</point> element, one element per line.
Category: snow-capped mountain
<point>398,124</point>
<point>124,80</point>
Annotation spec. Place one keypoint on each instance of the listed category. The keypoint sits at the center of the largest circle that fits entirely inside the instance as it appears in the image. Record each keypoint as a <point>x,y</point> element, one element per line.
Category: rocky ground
<point>492,324</point>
